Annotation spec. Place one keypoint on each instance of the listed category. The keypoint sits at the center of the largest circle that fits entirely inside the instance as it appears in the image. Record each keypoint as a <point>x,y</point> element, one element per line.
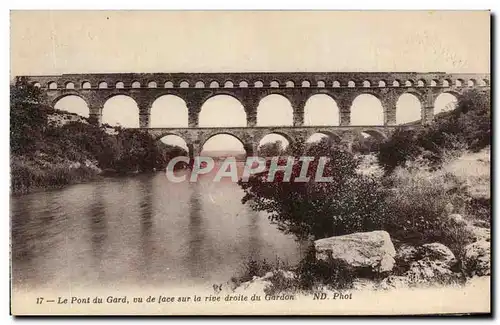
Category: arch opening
<point>214,84</point>
<point>382,83</point>
<point>322,136</point>
<point>228,84</point>
<point>445,102</point>
<point>136,84</point>
<point>222,111</point>
<point>184,84</point>
<point>320,84</point>
<point>73,104</point>
<point>366,109</point>
<point>274,110</point>
<point>70,85</point>
<point>258,84</point>
<point>243,84</point>
<point>175,141</point>
<point>272,145</point>
<point>223,145</point>
<point>121,110</point>
<point>366,84</point>
<point>367,142</point>
<point>336,84</point>
<point>52,85</point>
<point>199,84</point>
<point>289,84</point>
<point>86,85</point>
<point>169,84</point>
<point>103,85</point>
<point>408,109</point>
<point>152,84</point>
<point>321,109</point>
<point>306,84</point>
<point>169,111</point>
<point>351,84</point>
<point>120,85</point>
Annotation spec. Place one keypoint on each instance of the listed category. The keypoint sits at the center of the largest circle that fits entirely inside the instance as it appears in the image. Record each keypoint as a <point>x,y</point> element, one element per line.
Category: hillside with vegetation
<point>51,148</point>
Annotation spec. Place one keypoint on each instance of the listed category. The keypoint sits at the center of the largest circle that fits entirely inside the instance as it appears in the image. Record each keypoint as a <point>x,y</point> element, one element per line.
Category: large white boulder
<point>373,250</point>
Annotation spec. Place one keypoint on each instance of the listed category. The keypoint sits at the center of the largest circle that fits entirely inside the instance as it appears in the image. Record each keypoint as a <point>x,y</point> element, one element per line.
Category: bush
<point>313,273</point>
<point>27,174</point>
<point>350,203</point>
<point>466,127</point>
<point>419,207</point>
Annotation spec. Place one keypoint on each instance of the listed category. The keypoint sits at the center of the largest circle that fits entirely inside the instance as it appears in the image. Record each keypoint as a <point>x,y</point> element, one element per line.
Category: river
<point>139,230</point>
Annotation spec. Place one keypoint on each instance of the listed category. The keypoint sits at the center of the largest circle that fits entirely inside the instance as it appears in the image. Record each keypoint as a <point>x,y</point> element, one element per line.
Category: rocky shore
<point>385,265</point>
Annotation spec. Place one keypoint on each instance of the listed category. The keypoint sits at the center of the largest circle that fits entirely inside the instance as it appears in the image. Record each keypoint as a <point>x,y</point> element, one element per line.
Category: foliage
<point>419,208</point>
<point>47,154</point>
<point>28,174</point>
<point>312,273</point>
<point>468,126</point>
<point>28,115</point>
<point>349,203</point>
<point>271,149</point>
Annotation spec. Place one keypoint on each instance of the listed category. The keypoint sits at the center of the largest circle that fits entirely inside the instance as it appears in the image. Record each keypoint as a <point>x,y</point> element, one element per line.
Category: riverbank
<point>68,150</point>
<point>452,248</point>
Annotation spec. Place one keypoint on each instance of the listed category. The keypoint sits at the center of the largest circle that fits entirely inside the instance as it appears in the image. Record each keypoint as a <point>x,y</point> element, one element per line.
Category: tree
<point>28,115</point>
<point>469,126</point>
<point>271,149</point>
<point>349,203</point>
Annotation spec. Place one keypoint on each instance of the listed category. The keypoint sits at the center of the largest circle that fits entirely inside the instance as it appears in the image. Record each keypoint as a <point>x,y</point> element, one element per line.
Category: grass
<point>29,174</point>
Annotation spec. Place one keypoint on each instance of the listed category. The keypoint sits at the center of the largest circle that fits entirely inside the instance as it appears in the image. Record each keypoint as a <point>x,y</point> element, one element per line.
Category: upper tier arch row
<point>260,80</point>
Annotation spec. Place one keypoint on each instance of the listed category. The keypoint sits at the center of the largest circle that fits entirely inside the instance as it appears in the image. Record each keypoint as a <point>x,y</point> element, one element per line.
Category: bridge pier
<point>144,120</point>
<point>95,114</point>
<point>298,116</point>
<point>427,114</point>
<point>251,119</point>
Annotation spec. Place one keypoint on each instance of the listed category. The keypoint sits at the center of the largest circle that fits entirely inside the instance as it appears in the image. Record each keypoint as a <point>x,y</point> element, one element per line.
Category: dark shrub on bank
<point>47,155</point>
<point>349,203</point>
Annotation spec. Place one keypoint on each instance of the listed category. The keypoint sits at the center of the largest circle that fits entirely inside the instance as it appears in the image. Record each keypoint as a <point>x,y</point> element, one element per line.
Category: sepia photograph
<point>250,162</point>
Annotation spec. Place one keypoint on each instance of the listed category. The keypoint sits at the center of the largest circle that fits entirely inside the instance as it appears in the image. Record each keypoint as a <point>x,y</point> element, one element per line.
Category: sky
<point>56,42</point>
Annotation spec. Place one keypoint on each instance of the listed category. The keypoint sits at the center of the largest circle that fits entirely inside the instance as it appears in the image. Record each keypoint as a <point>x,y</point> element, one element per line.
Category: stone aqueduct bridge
<point>250,88</point>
